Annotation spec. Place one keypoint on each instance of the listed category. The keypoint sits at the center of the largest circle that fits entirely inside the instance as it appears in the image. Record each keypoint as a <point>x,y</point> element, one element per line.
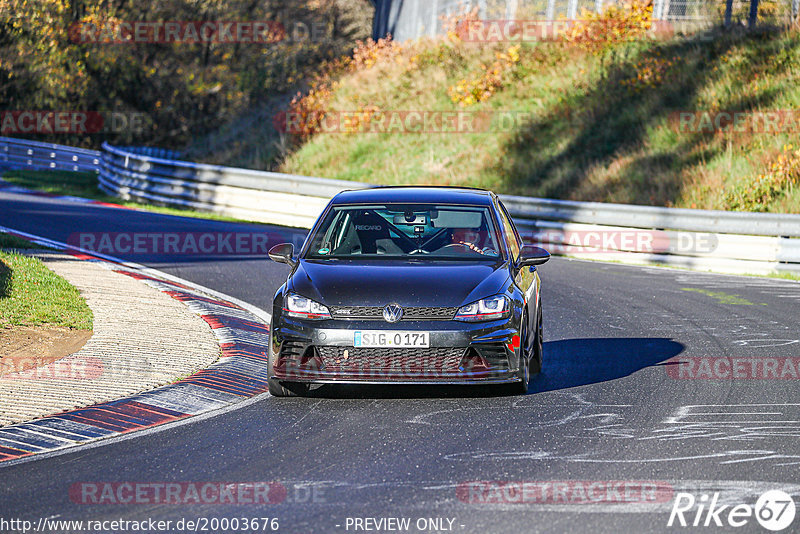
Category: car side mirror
<point>282,253</point>
<point>532,255</point>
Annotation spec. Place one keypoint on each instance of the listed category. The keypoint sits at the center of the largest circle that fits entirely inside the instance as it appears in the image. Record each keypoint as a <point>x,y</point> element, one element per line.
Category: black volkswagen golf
<point>422,285</point>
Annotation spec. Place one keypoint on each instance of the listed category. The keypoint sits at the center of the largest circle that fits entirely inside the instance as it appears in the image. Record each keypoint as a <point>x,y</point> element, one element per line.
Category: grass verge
<point>10,241</point>
<point>32,295</point>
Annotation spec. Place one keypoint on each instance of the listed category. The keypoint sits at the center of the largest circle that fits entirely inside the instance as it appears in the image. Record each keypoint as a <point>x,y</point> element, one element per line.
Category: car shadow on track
<point>567,363</point>
<point>577,362</point>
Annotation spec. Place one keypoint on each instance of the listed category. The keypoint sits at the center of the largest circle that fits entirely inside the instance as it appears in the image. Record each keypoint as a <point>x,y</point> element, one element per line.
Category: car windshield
<point>406,230</point>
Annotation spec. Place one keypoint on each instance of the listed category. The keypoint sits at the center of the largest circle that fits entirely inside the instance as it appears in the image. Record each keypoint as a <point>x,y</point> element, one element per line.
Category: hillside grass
<point>599,127</point>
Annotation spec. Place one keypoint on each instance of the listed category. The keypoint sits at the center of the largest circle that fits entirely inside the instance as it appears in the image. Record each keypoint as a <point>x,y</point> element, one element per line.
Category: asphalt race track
<point>606,410</point>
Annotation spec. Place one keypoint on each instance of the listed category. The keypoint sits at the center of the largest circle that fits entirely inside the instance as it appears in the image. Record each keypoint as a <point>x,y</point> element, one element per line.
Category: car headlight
<point>304,308</point>
<point>488,309</point>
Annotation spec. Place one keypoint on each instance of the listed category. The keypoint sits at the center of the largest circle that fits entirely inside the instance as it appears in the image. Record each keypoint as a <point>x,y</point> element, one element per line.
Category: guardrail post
<point>434,18</point>
<point>572,9</point>
<point>598,6</point>
<point>728,13</point>
<point>511,10</point>
<point>657,6</point>
<point>751,22</point>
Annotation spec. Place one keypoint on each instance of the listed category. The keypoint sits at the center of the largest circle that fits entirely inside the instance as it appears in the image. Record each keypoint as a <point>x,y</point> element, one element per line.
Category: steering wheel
<point>462,245</point>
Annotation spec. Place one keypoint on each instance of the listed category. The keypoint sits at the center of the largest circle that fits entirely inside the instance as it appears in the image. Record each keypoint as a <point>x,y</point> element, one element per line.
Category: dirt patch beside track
<point>23,348</point>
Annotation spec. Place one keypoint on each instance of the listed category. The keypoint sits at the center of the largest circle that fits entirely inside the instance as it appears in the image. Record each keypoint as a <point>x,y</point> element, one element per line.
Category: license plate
<point>391,338</point>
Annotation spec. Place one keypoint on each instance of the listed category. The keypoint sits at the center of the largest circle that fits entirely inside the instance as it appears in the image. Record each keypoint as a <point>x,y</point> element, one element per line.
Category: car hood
<point>408,283</point>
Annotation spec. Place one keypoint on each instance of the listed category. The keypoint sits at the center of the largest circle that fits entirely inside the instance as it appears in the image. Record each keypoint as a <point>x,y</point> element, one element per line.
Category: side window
<point>512,238</point>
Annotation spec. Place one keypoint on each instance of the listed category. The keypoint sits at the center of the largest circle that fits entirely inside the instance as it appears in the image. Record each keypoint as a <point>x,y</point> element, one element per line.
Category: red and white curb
<point>241,330</point>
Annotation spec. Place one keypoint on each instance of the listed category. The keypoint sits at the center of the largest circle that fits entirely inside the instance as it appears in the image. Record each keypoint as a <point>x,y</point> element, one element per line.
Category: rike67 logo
<point>774,510</point>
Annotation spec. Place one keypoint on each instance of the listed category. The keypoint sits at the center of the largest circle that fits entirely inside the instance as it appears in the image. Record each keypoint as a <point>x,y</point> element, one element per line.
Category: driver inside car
<point>470,238</point>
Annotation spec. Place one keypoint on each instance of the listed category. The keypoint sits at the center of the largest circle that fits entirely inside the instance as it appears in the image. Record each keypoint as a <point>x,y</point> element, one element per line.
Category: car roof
<point>414,194</point>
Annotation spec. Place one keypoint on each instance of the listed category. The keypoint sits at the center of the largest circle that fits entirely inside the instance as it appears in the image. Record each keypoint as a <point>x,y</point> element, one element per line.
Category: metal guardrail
<point>152,151</point>
<point>726,222</point>
<point>412,19</point>
<point>736,242</point>
<point>261,196</point>
<point>24,154</point>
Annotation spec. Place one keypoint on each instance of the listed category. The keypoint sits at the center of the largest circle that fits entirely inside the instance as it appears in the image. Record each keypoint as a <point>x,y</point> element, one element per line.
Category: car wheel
<point>286,389</point>
<point>523,373</point>
<point>538,344</point>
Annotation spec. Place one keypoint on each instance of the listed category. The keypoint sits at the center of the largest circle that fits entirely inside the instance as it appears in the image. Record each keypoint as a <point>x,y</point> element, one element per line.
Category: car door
<point>526,279</point>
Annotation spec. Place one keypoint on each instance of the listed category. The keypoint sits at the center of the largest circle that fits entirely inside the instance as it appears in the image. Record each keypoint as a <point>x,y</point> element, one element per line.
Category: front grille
<point>435,313</point>
<point>410,362</point>
<point>411,313</point>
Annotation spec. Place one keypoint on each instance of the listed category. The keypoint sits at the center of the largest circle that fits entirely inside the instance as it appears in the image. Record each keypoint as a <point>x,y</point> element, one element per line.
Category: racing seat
<point>373,235</point>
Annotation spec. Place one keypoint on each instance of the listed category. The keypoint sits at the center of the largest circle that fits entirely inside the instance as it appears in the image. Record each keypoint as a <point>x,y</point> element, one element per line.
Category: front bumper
<point>459,353</point>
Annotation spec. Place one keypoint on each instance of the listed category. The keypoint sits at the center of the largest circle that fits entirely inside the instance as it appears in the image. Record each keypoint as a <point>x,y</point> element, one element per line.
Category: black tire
<point>537,358</point>
<point>286,389</point>
<point>524,372</point>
